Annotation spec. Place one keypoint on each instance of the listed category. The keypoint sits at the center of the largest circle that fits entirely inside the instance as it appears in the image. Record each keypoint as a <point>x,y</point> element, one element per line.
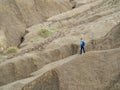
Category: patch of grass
<point>12,50</point>
<point>46,32</point>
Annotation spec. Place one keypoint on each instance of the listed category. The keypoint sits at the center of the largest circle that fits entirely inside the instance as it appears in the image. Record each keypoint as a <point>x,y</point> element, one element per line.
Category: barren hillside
<point>109,41</point>
<point>40,39</point>
<point>17,15</point>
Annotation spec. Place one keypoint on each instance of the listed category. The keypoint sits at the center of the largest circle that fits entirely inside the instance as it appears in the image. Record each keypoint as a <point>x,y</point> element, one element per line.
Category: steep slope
<point>110,40</point>
<point>21,66</point>
<point>61,24</point>
<point>84,21</point>
<point>93,70</point>
<point>91,20</point>
<point>16,15</point>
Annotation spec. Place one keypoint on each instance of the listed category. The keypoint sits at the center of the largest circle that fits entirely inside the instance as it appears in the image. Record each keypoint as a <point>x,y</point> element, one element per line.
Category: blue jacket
<point>82,44</point>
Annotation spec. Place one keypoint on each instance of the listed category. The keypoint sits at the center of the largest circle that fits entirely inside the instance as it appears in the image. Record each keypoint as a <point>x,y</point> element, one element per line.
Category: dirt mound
<point>109,41</point>
<point>21,67</point>
<point>16,15</point>
<point>93,70</point>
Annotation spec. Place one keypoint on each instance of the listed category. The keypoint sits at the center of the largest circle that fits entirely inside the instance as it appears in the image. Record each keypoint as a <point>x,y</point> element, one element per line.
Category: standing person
<point>82,46</point>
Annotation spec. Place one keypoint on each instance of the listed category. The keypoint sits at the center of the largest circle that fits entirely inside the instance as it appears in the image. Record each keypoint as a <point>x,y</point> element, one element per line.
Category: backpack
<point>83,43</point>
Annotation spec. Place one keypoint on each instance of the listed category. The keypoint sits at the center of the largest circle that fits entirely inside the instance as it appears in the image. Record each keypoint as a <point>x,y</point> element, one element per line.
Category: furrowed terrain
<point>39,44</point>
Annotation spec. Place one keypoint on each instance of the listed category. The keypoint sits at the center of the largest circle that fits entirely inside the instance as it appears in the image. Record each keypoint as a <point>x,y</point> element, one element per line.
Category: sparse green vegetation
<point>46,32</point>
<point>12,50</point>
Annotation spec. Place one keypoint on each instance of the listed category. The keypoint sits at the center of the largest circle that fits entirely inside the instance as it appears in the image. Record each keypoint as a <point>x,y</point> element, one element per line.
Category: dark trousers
<point>82,49</point>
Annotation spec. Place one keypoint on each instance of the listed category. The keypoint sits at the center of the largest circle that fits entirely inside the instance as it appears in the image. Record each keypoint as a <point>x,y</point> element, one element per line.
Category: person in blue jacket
<point>82,46</point>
